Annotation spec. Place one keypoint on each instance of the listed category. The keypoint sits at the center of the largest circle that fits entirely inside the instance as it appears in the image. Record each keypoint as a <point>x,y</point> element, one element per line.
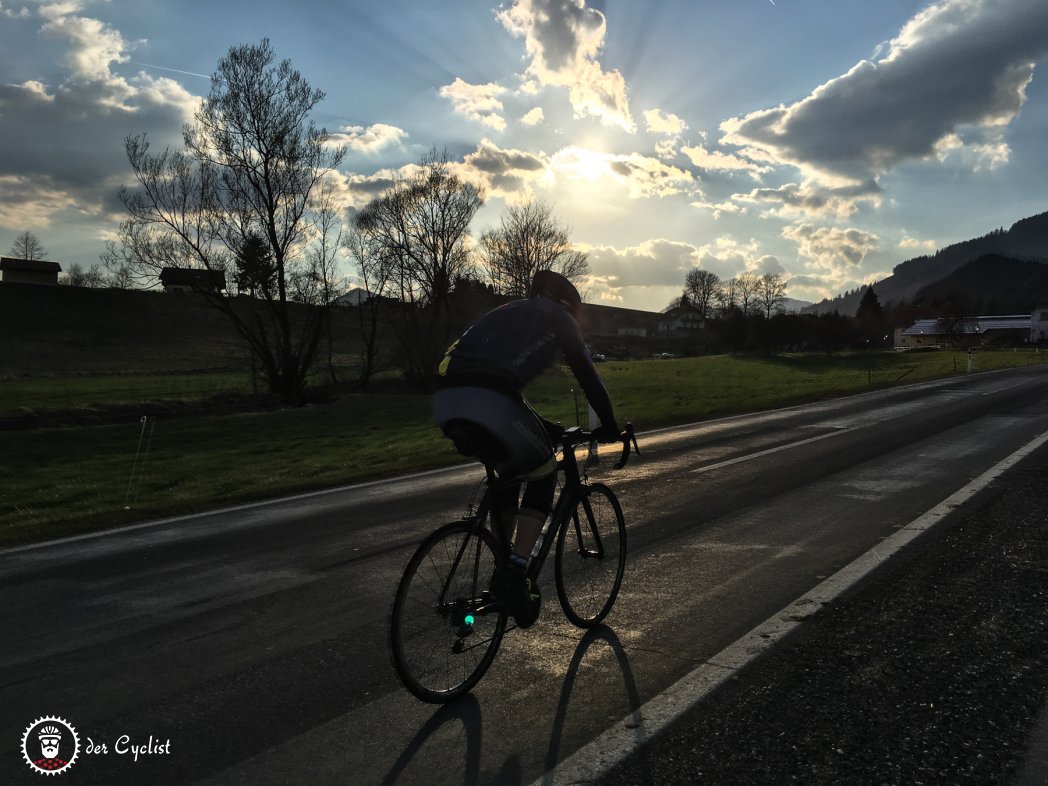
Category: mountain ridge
<point>1025,240</point>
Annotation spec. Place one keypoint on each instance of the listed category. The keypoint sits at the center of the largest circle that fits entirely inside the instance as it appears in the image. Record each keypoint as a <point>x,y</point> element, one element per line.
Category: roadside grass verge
<point>56,482</point>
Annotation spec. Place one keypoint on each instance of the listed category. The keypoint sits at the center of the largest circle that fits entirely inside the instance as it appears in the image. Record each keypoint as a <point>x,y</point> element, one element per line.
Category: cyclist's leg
<point>534,510</point>
<point>507,499</point>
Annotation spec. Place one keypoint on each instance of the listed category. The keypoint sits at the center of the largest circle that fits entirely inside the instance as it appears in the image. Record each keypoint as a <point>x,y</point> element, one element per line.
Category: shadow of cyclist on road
<point>467,739</point>
<point>600,634</point>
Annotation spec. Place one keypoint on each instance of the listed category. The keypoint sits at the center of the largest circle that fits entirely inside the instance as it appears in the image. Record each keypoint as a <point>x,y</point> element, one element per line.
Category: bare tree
<point>421,227</point>
<point>27,246</point>
<point>746,287</point>
<point>375,273</point>
<point>529,239</point>
<point>89,278</point>
<point>250,167</point>
<point>771,293</point>
<point>701,288</point>
<point>322,257</point>
<point>728,296</point>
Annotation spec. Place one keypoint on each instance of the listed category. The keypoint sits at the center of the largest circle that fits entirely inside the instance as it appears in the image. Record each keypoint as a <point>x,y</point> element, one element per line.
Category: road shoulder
<point>931,669</point>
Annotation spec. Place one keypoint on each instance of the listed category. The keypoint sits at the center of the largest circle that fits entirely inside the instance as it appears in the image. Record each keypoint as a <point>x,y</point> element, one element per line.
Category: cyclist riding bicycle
<point>479,406</point>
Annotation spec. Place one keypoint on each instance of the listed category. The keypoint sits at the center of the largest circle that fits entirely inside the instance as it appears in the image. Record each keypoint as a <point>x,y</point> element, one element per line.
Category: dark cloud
<point>66,149</point>
<point>563,27</point>
<point>815,199</point>
<point>72,139</point>
<point>493,160</point>
<point>958,66</point>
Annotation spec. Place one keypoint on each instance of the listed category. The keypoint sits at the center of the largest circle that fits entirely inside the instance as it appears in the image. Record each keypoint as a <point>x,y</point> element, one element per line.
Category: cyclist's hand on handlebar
<point>607,434</point>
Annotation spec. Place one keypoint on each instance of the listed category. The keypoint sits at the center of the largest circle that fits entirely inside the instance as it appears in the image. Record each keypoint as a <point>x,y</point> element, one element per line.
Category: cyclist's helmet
<point>557,287</point>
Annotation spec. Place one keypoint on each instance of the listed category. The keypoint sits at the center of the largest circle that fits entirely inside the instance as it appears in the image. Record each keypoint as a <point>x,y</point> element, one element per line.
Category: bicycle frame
<point>570,496</point>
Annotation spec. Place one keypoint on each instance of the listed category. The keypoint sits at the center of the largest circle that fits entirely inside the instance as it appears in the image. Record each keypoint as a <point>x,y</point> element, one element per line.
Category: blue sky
<point>825,140</point>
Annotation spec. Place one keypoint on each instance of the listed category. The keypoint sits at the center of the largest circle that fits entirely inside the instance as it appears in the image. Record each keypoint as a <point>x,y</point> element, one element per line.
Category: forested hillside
<point>1024,240</point>
<point>991,284</point>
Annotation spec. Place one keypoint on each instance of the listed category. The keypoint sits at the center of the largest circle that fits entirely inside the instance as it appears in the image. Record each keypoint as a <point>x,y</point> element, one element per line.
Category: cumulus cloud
<point>14,13</point>
<point>563,40</point>
<point>715,161</point>
<point>507,173</point>
<point>94,44</point>
<point>642,175</point>
<point>718,209</point>
<point>728,257</point>
<point>373,139</point>
<point>911,244</point>
<point>792,199</point>
<point>651,272</point>
<point>29,203</point>
<point>660,122</point>
<point>987,155</point>
<point>955,75</point>
<point>101,105</point>
<point>533,117</point>
<point>657,262</point>
<point>479,103</point>
<point>670,127</point>
<point>832,250</point>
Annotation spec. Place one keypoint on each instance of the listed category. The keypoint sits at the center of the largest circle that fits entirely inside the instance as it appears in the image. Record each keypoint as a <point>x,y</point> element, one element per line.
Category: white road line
<point>779,449</point>
<point>614,745</point>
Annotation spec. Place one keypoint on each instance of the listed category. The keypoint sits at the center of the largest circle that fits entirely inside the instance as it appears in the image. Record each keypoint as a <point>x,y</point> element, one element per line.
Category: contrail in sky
<point>172,70</point>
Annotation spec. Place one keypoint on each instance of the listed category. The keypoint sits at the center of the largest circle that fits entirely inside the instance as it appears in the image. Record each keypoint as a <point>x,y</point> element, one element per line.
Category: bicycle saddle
<point>472,439</point>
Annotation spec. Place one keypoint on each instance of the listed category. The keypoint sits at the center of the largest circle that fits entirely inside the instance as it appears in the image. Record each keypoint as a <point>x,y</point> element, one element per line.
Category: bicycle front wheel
<point>446,626</point>
<point>591,557</point>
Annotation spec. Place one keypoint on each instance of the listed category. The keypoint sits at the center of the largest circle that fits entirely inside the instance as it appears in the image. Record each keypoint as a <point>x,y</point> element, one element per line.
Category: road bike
<point>446,624</point>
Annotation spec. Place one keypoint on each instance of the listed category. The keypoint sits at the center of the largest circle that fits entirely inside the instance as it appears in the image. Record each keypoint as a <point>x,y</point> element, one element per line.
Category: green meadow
<point>65,480</point>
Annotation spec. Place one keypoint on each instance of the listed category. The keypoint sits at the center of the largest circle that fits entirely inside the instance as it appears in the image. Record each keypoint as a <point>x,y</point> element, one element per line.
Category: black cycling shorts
<point>520,431</point>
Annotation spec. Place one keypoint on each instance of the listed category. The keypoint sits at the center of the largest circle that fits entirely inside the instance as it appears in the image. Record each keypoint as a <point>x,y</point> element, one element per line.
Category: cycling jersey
<point>508,347</point>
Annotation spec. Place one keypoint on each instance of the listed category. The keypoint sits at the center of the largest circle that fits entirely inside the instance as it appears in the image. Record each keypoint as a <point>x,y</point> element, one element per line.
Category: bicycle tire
<point>437,653</point>
<point>591,557</point>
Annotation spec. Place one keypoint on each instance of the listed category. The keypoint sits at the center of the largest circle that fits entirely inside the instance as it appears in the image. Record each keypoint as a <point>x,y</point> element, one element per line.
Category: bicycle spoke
<point>436,653</point>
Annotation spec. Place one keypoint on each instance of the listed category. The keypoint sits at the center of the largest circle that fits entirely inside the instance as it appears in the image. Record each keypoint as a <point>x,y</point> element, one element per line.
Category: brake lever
<point>628,436</point>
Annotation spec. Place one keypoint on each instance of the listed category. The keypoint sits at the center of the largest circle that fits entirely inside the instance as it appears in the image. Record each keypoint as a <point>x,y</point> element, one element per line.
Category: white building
<point>1039,324</point>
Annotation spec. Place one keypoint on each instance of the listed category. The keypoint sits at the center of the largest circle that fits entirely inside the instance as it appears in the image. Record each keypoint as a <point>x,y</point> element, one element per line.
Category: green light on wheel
<point>469,619</point>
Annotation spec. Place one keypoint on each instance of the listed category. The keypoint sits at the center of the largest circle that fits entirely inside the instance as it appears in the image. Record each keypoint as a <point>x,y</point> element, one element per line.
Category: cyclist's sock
<point>529,527</point>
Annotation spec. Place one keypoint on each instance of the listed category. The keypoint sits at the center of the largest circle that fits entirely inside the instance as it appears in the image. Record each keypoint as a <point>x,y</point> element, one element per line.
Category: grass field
<point>62,481</point>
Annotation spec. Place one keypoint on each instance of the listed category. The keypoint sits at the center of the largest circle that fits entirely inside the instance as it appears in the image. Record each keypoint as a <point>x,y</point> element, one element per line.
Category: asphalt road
<point>253,640</point>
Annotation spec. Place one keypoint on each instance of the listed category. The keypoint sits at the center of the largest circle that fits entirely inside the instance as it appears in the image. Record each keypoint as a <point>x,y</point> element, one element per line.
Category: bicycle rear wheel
<point>591,557</point>
<point>445,626</point>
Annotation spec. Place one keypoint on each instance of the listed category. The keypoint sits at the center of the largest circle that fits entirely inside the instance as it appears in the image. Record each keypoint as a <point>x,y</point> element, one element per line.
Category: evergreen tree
<point>873,327</point>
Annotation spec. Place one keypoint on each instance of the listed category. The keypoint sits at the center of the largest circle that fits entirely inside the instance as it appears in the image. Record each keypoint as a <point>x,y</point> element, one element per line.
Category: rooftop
<point>975,325</point>
<point>37,265</point>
